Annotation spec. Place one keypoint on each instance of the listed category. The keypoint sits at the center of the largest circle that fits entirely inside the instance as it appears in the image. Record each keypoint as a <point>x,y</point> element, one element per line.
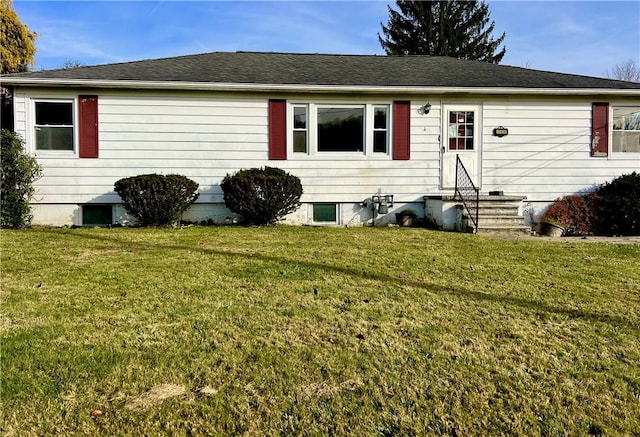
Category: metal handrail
<point>467,192</point>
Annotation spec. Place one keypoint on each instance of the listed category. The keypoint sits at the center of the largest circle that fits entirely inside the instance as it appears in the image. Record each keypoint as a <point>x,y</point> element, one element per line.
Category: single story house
<point>367,135</point>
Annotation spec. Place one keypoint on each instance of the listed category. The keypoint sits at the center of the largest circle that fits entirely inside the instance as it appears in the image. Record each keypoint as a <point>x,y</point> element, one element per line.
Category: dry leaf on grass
<point>154,396</point>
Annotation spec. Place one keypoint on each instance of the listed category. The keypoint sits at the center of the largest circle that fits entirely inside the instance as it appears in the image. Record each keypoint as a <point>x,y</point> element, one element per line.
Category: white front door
<point>461,127</point>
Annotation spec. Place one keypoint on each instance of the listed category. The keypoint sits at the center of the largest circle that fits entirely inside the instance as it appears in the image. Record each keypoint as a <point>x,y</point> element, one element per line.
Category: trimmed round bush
<point>262,195</point>
<point>157,200</point>
<point>19,171</point>
<point>618,206</point>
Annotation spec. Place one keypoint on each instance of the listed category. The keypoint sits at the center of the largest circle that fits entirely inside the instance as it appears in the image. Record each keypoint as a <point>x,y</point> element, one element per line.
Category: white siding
<point>547,151</point>
<point>205,136</point>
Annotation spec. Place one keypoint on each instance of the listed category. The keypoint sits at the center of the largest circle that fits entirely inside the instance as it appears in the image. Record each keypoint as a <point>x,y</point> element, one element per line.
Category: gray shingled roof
<point>321,69</point>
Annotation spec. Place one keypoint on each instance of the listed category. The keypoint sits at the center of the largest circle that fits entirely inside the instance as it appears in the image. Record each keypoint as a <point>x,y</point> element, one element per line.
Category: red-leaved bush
<point>574,213</point>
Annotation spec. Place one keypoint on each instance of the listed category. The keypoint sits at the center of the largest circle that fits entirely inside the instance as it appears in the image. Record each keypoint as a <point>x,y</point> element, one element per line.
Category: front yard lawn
<point>316,331</point>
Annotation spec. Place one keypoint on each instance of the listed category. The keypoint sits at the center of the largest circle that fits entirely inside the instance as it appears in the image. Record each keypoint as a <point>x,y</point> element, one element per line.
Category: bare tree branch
<point>628,70</point>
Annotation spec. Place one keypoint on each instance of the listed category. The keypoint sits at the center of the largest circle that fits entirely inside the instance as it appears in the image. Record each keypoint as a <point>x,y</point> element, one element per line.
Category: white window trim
<point>386,129</point>
<point>30,136</point>
<point>338,214</point>
<point>613,154</point>
<point>312,130</point>
<point>294,129</point>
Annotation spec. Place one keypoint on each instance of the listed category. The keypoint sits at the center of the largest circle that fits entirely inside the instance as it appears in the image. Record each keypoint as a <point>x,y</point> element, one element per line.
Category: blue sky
<point>580,37</point>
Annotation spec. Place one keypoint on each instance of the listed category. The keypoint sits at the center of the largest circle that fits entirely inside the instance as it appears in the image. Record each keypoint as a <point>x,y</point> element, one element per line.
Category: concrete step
<point>498,214</point>
<point>490,220</point>
<point>498,210</point>
<point>518,230</point>
<point>487,198</point>
<point>494,204</point>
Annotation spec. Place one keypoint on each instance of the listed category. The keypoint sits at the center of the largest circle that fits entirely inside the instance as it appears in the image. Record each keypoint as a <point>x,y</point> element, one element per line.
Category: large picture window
<point>340,129</point>
<point>626,130</point>
<point>355,129</point>
<point>54,125</point>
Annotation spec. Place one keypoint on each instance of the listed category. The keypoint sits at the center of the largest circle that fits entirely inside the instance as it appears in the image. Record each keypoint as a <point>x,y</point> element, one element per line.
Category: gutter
<point>299,88</point>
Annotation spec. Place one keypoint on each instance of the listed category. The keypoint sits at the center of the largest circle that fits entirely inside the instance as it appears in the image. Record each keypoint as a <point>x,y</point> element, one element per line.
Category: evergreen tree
<point>455,28</point>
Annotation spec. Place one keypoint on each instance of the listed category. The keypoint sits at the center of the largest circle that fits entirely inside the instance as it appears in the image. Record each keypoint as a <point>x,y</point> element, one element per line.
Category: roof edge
<point>302,88</point>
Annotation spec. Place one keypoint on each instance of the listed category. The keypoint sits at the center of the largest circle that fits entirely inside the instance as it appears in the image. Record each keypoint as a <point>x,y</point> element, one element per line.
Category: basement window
<point>97,215</point>
<point>325,213</point>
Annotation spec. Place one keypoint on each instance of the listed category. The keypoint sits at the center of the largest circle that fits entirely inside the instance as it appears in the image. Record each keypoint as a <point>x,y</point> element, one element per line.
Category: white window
<point>348,129</point>
<point>53,126</point>
<point>381,129</point>
<point>626,130</point>
<point>300,124</point>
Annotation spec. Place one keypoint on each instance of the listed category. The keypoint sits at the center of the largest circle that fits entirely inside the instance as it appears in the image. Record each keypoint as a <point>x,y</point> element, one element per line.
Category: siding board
<point>205,136</point>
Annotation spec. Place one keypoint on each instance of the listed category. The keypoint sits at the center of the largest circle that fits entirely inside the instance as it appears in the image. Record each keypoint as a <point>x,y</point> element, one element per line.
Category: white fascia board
<point>294,88</point>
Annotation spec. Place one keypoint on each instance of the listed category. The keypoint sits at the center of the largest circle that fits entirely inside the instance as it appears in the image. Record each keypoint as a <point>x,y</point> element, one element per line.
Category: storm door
<point>460,136</point>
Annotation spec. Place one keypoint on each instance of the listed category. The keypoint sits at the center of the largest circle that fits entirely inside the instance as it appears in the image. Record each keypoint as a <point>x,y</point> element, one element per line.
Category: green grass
<point>412,332</point>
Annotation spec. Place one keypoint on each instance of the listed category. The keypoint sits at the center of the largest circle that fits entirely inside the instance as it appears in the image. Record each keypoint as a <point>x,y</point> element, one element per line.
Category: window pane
<point>299,117</point>
<point>380,118</point>
<point>54,138</point>
<point>469,143</point>
<point>324,212</point>
<point>626,141</point>
<point>54,114</point>
<point>626,119</point>
<point>469,117</point>
<point>300,141</point>
<point>380,141</point>
<point>96,214</point>
<point>461,130</point>
<point>340,129</point>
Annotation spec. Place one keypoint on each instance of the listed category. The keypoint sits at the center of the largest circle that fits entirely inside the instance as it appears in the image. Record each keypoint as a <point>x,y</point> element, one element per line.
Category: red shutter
<point>600,129</point>
<point>401,125</point>
<point>88,116</point>
<point>277,129</point>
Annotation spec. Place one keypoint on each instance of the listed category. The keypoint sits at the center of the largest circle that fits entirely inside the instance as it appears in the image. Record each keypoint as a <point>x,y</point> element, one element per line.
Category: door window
<point>461,126</point>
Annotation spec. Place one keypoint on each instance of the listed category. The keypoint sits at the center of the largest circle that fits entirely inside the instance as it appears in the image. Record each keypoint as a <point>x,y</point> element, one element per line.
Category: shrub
<point>157,200</point>
<point>19,171</point>
<point>262,195</point>
<point>618,206</point>
<point>574,213</point>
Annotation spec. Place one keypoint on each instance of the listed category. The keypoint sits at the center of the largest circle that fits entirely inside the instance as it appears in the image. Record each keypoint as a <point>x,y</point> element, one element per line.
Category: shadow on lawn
<point>471,294</point>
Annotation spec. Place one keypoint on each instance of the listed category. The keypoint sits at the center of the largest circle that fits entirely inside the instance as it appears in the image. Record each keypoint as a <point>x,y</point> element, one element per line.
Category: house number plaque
<point>501,132</point>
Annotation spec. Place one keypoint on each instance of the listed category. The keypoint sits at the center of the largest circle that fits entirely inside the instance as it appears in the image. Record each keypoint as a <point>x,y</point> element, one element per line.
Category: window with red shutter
<point>88,129</point>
